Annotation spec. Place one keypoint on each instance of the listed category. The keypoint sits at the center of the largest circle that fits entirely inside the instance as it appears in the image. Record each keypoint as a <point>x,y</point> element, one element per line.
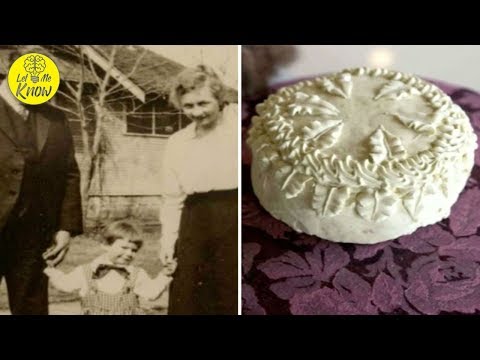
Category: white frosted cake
<point>361,156</point>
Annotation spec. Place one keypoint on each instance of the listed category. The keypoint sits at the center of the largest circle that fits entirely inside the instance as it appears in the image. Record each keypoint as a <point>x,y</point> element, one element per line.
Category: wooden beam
<point>114,72</point>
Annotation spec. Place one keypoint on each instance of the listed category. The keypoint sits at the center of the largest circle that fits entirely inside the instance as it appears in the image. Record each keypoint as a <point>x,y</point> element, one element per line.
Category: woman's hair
<point>122,229</point>
<point>195,78</point>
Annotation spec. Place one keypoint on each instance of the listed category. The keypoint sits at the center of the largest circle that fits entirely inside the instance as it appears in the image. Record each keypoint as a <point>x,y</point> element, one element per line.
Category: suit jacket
<point>59,177</point>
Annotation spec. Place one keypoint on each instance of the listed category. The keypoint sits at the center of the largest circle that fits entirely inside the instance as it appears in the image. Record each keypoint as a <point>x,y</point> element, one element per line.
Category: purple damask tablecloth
<point>436,270</point>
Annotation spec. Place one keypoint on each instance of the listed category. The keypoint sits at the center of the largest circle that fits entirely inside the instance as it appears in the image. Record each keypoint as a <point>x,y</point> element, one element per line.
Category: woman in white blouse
<point>199,189</point>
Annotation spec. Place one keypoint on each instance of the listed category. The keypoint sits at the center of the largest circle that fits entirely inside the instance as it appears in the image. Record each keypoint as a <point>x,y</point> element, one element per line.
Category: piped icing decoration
<point>420,126</point>
<point>385,146</point>
<point>396,90</point>
<point>340,85</point>
<point>299,130</point>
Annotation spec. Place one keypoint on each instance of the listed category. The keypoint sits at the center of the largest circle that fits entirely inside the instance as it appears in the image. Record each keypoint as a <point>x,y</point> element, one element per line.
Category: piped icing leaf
<point>390,88</point>
<point>267,156</point>
<point>329,201</point>
<point>451,139</point>
<point>311,105</point>
<point>413,202</point>
<point>396,90</point>
<point>415,124</point>
<point>345,81</point>
<point>325,133</point>
<point>376,206</point>
<point>303,98</point>
<point>293,182</point>
<point>385,146</point>
<point>315,99</point>
<point>339,87</point>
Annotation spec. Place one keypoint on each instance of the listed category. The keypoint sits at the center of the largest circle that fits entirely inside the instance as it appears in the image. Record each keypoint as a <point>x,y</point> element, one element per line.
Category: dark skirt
<point>206,280</point>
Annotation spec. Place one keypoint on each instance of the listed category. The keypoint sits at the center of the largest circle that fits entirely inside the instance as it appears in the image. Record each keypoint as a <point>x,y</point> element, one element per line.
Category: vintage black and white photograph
<point>119,195</point>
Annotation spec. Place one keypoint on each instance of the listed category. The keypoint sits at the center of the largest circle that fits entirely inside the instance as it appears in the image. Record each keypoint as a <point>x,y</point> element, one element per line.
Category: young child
<point>110,285</point>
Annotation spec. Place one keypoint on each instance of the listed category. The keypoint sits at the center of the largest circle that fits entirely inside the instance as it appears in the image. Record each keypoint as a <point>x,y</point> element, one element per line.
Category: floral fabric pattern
<point>435,270</point>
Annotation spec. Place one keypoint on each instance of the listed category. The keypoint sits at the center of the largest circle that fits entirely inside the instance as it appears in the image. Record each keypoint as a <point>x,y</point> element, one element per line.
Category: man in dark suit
<point>40,203</point>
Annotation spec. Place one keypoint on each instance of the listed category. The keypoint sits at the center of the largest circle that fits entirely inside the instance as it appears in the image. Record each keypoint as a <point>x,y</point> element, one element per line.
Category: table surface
<point>458,64</point>
<point>433,271</point>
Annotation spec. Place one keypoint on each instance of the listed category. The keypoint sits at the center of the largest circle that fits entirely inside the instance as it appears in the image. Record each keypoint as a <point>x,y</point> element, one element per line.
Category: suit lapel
<point>43,125</point>
<point>5,121</point>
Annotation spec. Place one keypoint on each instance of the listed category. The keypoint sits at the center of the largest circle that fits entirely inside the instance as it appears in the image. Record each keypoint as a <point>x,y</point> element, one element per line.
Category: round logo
<point>33,78</point>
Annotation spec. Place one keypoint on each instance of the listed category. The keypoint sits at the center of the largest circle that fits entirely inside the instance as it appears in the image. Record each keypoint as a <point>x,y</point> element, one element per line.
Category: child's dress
<point>97,302</point>
<point>109,295</point>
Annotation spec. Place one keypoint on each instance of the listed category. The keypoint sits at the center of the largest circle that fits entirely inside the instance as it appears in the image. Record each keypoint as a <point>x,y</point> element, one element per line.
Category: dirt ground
<point>73,308</point>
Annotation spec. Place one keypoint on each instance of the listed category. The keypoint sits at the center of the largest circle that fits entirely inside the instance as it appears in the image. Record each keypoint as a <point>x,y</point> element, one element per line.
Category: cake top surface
<point>374,128</point>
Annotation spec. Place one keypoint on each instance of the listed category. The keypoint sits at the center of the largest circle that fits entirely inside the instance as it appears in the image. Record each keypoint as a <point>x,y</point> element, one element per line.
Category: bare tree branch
<point>69,96</point>
<point>108,73</point>
<point>135,107</point>
<point>92,69</point>
<point>93,108</point>
<point>63,108</point>
<point>133,70</point>
<point>123,88</point>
